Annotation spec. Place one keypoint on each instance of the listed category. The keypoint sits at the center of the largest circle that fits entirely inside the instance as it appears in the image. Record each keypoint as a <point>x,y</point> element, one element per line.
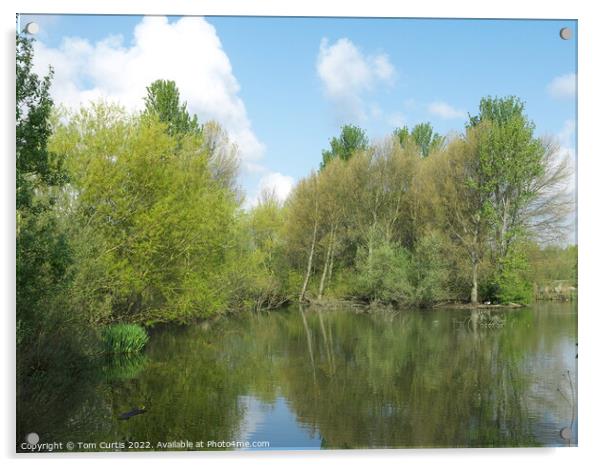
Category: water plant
<point>124,338</point>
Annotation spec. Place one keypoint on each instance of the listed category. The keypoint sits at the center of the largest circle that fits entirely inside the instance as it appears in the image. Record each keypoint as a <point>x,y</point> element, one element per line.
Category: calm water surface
<point>316,378</point>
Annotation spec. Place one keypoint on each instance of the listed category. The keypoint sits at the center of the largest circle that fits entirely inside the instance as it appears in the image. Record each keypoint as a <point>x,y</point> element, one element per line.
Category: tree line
<point>138,218</point>
<point>417,218</point>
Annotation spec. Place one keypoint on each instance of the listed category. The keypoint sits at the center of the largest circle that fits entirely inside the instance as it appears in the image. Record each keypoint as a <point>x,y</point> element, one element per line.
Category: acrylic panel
<point>295,233</point>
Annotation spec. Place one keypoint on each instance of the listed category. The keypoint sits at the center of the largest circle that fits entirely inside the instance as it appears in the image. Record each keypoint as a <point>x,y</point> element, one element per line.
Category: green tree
<point>511,281</point>
<point>403,135</point>
<point>429,271</point>
<point>463,199</point>
<point>426,139</point>
<point>163,100</point>
<point>422,135</point>
<point>47,332</point>
<point>155,230</point>
<point>260,273</point>
<point>382,271</point>
<point>351,140</point>
<point>511,160</point>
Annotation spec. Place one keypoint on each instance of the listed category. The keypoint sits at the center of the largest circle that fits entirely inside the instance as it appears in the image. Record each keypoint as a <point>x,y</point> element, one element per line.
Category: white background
<point>589,183</point>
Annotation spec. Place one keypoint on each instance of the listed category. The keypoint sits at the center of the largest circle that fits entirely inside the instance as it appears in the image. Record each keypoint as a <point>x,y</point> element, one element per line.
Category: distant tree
<point>403,135</point>
<point>426,139</point>
<point>163,100</point>
<point>351,140</point>
<point>223,154</point>
<point>422,135</point>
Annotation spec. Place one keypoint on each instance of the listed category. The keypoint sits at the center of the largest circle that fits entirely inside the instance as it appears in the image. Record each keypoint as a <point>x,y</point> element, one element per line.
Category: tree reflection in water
<point>381,379</point>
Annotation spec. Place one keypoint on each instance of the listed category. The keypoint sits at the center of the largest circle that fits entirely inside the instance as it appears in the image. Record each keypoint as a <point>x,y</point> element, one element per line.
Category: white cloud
<point>444,110</point>
<point>347,75</point>
<point>280,184</point>
<point>563,86</point>
<point>565,139</point>
<point>187,51</point>
<point>273,182</point>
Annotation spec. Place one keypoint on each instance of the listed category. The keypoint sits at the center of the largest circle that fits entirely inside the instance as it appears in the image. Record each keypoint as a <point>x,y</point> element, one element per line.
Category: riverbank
<point>340,303</point>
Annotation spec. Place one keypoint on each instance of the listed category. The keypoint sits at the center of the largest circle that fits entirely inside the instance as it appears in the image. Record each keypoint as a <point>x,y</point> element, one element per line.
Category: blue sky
<point>281,78</point>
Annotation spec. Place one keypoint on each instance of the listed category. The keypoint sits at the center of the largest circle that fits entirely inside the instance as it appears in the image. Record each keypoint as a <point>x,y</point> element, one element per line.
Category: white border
<point>589,209</point>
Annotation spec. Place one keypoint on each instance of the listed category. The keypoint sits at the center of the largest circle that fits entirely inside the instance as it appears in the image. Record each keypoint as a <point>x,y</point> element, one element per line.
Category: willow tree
<point>304,224</point>
<point>153,226</point>
<point>463,191</point>
<point>333,206</point>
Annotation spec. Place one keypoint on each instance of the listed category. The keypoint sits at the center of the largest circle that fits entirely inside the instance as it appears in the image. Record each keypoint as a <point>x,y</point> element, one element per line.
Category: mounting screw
<point>31,28</point>
<point>566,33</point>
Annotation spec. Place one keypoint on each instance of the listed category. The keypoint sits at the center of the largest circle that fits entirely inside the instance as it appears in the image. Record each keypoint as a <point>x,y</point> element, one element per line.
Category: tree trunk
<point>309,262</point>
<point>326,262</point>
<point>474,298</point>
<point>330,266</point>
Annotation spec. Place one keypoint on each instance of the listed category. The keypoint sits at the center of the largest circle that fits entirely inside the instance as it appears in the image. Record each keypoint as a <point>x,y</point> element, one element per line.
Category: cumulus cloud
<point>444,110</point>
<point>280,185</point>
<point>347,75</point>
<point>564,86</point>
<point>187,51</point>
<point>275,183</point>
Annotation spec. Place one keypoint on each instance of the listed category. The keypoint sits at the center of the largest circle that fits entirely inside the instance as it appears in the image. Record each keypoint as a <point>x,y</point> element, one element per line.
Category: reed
<point>124,338</point>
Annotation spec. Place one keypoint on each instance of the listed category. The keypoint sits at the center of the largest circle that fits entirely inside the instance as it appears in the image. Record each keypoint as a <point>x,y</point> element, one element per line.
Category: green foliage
<point>124,338</point>
<point>351,140</point>
<point>36,167</point>
<point>429,272</point>
<point>137,218</point>
<point>510,161</point>
<point>154,226</point>
<point>510,282</point>
<point>163,100</point>
<point>42,253</point>
<point>260,278</point>
<point>49,334</point>
<point>382,272</point>
<point>553,263</point>
<point>422,135</point>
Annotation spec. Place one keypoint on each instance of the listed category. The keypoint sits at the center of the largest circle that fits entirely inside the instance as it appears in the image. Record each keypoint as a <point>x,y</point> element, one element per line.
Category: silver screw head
<point>566,33</point>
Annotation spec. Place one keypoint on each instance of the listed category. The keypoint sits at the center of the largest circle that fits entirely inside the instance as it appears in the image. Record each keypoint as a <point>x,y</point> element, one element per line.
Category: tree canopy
<point>163,100</point>
<point>351,140</point>
<point>422,135</point>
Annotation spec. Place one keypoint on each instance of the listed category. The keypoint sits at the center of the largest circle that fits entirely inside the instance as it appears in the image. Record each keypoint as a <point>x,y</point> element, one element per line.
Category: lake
<point>318,378</point>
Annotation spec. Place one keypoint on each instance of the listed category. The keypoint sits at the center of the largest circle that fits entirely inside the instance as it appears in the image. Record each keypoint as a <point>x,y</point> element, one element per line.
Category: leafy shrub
<point>510,283</point>
<point>124,338</point>
<point>382,273</point>
<point>429,272</point>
